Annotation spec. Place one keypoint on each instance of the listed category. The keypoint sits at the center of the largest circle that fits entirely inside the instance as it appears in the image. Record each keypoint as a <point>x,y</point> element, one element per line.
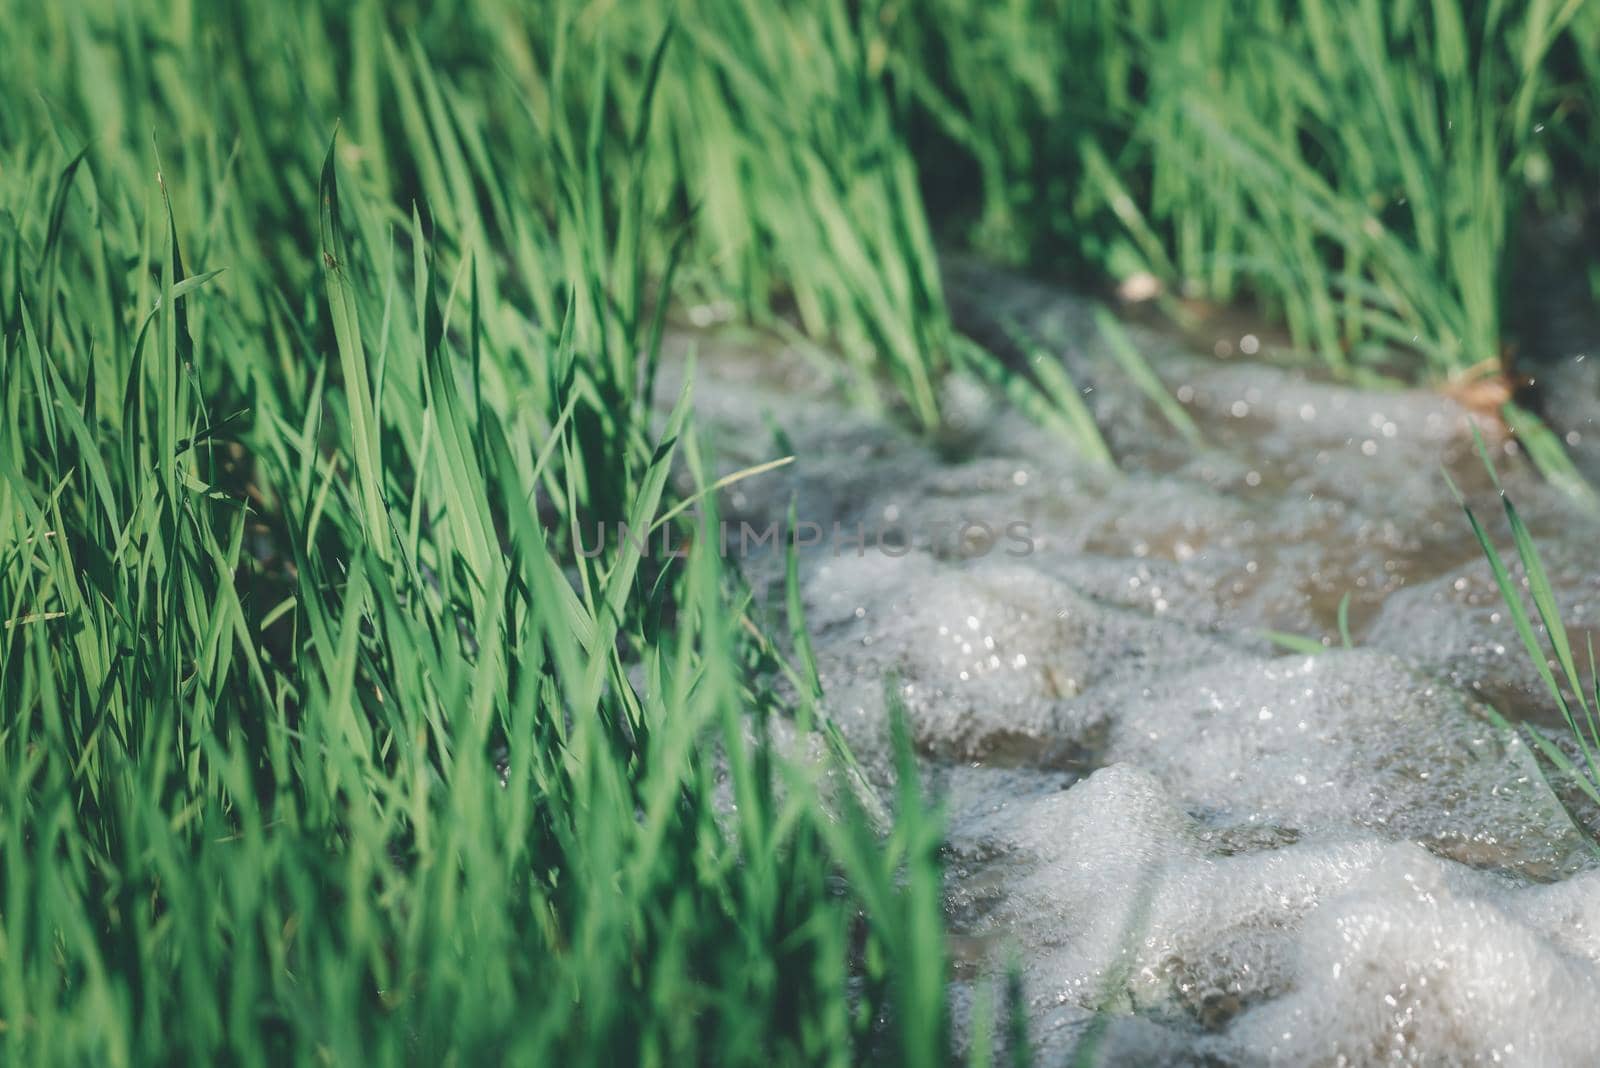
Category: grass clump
<point>789,145</point>
<point>1397,163</point>
<point>323,744</point>
<point>1579,702</point>
<point>1358,166</point>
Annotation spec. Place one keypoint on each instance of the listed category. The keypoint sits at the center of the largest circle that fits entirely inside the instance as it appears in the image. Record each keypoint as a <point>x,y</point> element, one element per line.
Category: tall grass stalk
<point>1579,702</point>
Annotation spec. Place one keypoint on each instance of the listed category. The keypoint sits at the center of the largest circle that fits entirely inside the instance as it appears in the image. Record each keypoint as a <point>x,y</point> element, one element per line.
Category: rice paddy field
<point>774,532</point>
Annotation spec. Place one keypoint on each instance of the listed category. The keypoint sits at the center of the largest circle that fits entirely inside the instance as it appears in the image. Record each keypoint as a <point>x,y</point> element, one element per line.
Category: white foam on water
<point>1342,949</point>
<point>1200,851</point>
<point>1410,968</point>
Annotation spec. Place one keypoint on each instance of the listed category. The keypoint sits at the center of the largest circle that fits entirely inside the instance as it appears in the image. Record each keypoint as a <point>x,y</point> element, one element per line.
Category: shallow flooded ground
<point>1242,854</point>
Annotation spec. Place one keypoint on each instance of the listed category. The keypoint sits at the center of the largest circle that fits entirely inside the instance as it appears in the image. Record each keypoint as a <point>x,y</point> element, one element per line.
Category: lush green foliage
<point>1356,163</point>
<point>1356,166</point>
<point>320,743</point>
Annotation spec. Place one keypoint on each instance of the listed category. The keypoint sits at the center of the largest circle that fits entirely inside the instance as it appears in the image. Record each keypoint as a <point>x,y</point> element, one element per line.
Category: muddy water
<point>1221,852</point>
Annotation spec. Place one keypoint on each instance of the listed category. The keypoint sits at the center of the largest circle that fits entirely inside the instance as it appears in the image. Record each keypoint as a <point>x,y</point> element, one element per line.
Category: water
<point>1225,853</point>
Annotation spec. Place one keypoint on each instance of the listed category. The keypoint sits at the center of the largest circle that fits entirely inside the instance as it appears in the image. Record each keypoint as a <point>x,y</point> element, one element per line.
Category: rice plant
<point>1358,165</point>
<point>327,329</point>
<point>1579,702</point>
<point>1355,167</point>
<point>321,743</point>
<point>789,145</point>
